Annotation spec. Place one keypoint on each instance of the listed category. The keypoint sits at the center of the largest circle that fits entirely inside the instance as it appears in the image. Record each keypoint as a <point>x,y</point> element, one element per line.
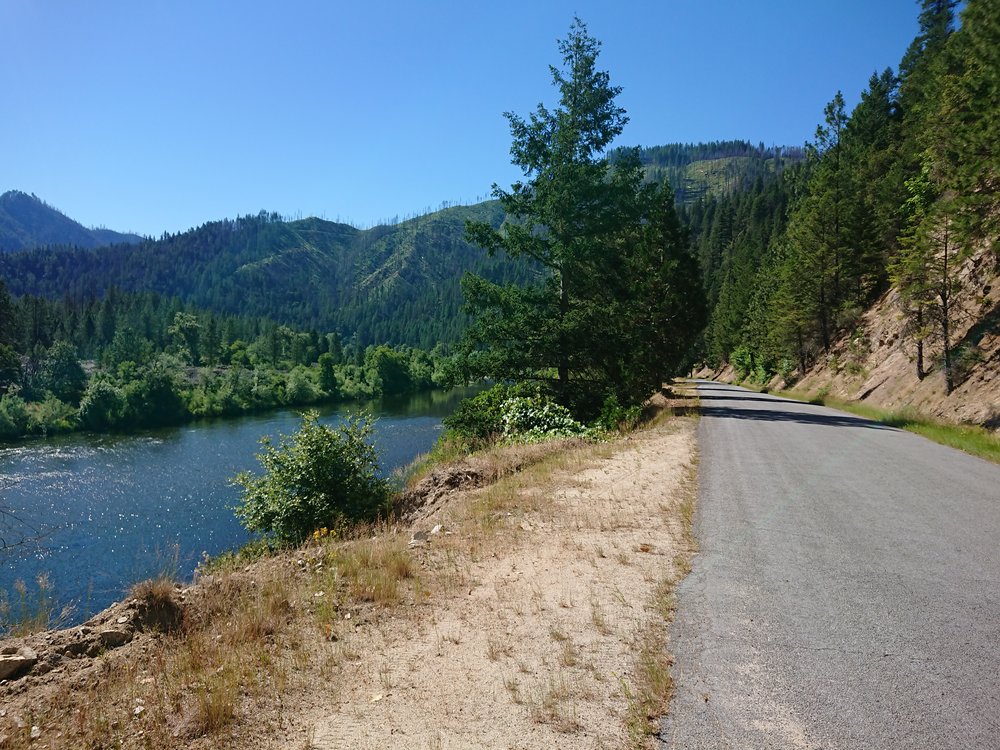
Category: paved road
<point>847,593</point>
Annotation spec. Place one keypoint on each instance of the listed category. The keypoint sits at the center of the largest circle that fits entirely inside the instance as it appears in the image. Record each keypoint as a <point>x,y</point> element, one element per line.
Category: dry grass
<point>651,690</point>
<point>32,611</point>
<point>372,570</point>
<point>232,649</point>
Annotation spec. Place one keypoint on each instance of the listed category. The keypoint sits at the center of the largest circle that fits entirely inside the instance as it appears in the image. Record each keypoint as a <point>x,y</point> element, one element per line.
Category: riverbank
<point>100,513</point>
<point>525,611</point>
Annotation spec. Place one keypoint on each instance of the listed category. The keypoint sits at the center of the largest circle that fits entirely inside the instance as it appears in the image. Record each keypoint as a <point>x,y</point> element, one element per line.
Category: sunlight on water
<point>112,510</point>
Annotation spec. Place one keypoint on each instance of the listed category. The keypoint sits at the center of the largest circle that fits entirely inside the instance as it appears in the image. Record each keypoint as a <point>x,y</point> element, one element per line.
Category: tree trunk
<point>563,355</point>
<point>921,374</point>
<point>802,352</point>
<point>824,323</point>
<point>945,296</point>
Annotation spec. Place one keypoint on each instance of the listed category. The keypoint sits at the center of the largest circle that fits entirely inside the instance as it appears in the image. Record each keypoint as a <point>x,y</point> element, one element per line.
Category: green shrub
<point>13,416</point>
<point>785,369</point>
<point>299,387</point>
<point>316,477</point>
<point>742,361</point>
<point>533,418</point>
<point>50,416</point>
<point>614,416</point>
<point>481,418</point>
<point>102,406</point>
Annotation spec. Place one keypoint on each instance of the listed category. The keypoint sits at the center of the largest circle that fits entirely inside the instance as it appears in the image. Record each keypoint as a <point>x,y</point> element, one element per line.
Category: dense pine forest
<point>901,191</point>
<point>397,283</point>
<point>134,360</point>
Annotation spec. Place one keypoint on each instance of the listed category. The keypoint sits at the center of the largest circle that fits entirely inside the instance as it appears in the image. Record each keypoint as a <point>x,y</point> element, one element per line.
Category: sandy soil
<point>535,643</point>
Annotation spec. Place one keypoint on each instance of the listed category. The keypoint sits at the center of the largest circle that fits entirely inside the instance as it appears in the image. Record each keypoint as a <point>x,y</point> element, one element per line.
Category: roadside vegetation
<point>898,194</point>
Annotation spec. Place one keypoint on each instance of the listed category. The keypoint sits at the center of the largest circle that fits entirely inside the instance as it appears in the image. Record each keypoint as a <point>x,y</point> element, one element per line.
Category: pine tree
<point>580,220</point>
<point>964,132</point>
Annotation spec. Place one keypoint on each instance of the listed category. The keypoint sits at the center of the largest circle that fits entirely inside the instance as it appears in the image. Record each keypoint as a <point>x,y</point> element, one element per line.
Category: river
<point>111,510</point>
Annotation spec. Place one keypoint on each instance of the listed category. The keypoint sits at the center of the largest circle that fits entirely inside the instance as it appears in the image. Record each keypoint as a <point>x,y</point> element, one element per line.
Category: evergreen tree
<point>62,373</point>
<point>579,219</point>
<point>9,334</point>
<point>965,130</point>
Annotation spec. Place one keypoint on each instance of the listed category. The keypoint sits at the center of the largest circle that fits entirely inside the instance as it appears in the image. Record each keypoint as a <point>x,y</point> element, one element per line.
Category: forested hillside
<point>901,194</point>
<point>699,171</point>
<point>397,284</point>
<point>26,222</point>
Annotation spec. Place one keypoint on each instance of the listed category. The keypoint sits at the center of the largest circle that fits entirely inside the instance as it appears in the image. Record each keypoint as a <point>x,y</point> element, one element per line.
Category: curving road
<point>847,593</point>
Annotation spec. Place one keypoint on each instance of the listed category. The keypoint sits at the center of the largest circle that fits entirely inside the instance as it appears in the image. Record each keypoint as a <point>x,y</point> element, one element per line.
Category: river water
<point>110,510</point>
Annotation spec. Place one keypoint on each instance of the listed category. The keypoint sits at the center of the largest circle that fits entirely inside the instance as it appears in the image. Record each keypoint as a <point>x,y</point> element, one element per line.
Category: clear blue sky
<point>160,115</point>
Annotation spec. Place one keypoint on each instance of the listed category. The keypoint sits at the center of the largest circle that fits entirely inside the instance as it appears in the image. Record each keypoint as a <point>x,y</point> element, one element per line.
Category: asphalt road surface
<point>847,592</point>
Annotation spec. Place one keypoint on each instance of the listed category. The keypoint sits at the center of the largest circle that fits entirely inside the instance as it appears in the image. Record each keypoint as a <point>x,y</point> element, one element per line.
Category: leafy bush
<point>316,477</point>
<point>102,406</point>
<point>299,387</point>
<point>533,418</point>
<point>13,415</point>
<point>614,416</point>
<point>750,365</point>
<point>480,417</point>
<point>50,416</point>
<point>785,369</point>
<point>742,361</point>
<point>388,370</point>
<point>153,397</point>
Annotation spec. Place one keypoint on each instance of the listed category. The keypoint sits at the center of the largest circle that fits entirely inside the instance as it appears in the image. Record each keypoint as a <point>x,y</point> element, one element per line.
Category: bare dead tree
<point>17,534</point>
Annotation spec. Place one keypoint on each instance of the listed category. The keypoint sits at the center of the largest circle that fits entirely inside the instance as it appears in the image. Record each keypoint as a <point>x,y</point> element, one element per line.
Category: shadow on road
<point>802,417</point>
<point>771,400</point>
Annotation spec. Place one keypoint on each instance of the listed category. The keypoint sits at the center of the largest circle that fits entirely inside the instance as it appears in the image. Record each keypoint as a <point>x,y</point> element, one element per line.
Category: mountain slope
<point>397,284</point>
<point>26,222</point>
<point>718,168</point>
<point>875,363</point>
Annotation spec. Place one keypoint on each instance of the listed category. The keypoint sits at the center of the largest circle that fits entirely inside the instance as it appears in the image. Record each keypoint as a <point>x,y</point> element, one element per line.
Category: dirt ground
<point>539,639</point>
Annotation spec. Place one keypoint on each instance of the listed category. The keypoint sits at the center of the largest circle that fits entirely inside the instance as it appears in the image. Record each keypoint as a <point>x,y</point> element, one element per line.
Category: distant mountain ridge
<point>397,283</point>
<point>26,221</point>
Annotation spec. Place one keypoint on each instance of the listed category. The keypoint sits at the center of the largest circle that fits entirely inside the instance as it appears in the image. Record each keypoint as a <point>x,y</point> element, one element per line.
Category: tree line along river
<point>110,510</point>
